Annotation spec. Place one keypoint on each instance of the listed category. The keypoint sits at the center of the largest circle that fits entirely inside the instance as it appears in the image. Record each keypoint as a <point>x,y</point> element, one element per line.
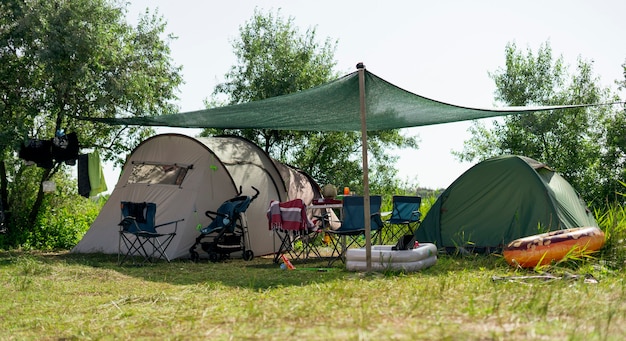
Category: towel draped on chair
<point>289,221</point>
<point>288,216</point>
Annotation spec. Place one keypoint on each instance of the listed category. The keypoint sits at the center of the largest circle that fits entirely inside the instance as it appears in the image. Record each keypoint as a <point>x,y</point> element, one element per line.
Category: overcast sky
<point>443,50</point>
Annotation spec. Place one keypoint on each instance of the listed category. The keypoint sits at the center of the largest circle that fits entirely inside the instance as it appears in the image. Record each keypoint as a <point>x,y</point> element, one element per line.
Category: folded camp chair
<point>353,224</point>
<point>406,213</point>
<point>138,233</point>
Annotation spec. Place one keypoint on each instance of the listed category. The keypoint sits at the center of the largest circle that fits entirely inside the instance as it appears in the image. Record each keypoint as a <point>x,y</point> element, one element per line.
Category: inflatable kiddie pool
<point>541,249</point>
<point>385,258</point>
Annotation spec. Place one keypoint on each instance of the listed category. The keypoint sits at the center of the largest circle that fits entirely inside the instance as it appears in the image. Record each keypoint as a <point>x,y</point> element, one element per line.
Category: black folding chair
<point>139,235</point>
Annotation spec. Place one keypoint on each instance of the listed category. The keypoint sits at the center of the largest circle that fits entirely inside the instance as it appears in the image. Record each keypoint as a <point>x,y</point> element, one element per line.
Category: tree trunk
<point>34,211</point>
<point>4,202</point>
<point>4,197</point>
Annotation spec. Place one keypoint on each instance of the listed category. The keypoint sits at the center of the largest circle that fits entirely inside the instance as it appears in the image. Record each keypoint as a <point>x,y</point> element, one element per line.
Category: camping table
<point>325,207</point>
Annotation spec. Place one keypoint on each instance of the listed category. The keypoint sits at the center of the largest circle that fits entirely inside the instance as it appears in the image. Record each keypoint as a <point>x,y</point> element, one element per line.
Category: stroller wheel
<point>194,256</point>
<point>248,255</point>
<point>213,257</point>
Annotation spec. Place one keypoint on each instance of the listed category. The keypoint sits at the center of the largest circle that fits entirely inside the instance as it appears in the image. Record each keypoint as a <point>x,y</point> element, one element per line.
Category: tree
<point>614,157</point>
<point>63,59</point>
<point>275,59</point>
<point>572,141</point>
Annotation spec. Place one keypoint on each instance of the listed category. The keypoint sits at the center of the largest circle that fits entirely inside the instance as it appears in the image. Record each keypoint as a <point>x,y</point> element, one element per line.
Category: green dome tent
<point>499,200</point>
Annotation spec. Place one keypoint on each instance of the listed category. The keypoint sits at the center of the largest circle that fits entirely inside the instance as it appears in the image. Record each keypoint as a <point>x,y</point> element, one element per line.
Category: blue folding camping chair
<point>352,229</point>
<point>405,214</point>
<point>139,235</point>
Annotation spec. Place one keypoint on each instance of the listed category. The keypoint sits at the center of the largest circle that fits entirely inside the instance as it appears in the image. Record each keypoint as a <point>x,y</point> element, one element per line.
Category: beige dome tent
<point>207,172</point>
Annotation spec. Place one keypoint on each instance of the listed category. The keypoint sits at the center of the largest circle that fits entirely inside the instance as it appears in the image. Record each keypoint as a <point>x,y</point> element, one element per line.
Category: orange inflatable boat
<point>541,249</point>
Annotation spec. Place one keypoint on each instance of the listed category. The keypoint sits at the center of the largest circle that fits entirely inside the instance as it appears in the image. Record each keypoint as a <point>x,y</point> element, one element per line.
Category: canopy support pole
<point>366,186</point>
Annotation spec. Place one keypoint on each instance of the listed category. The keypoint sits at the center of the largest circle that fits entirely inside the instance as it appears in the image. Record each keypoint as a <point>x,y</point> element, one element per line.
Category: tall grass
<point>89,297</point>
<point>54,296</point>
<point>613,222</point>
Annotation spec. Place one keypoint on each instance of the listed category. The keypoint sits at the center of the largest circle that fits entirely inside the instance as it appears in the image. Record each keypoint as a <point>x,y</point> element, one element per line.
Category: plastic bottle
<point>326,238</point>
<point>287,262</point>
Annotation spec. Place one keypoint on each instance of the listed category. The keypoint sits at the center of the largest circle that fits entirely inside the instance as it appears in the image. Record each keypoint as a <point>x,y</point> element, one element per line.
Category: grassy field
<point>64,296</point>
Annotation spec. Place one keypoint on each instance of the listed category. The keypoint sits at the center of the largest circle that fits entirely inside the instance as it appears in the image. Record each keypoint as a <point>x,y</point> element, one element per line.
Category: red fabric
<point>289,215</point>
<point>273,216</point>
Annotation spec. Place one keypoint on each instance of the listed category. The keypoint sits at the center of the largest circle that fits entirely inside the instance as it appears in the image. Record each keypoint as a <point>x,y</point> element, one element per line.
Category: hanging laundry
<point>83,175</point>
<point>97,181</point>
<point>43,153</point>
<point>65,148</point>
<point>38,152</point>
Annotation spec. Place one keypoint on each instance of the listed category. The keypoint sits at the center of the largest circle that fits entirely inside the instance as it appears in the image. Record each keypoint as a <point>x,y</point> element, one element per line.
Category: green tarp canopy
<point>333,106</point>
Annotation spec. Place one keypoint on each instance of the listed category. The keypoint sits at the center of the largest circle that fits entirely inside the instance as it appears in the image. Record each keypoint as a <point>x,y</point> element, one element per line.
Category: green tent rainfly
<point>499,200</point>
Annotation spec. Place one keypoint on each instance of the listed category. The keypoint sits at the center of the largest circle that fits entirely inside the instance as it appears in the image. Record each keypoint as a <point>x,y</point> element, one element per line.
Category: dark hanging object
<point>84,187</point>
<point>38,152</point>
<point>65,148</point>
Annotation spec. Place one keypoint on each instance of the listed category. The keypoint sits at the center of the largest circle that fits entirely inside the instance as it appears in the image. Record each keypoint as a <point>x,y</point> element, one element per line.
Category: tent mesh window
<point>158,173</point>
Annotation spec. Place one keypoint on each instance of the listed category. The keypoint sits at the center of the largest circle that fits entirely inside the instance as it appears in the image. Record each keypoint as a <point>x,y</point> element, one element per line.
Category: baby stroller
<point>228,231</point>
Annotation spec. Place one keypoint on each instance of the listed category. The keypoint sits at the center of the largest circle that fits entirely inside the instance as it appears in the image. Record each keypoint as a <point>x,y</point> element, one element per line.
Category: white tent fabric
<point>301,185</point>
<point>216,168</point>
<point>206,184</point>
<point>250,166</point>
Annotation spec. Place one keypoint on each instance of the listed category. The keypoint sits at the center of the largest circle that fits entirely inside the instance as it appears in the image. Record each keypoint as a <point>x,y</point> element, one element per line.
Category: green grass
<point>63,296</point>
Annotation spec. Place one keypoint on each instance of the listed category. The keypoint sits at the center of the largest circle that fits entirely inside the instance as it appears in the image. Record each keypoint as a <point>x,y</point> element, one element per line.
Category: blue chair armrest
<point>376,218</point>
<point>170,223</point>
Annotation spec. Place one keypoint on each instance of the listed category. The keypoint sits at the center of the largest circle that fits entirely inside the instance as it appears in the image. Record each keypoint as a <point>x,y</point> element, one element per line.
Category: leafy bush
<point>63,227</point>
<point>62,221</point>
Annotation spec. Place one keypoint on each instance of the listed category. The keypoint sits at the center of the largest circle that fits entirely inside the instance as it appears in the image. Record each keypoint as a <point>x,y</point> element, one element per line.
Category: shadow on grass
<point>258,274</point>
